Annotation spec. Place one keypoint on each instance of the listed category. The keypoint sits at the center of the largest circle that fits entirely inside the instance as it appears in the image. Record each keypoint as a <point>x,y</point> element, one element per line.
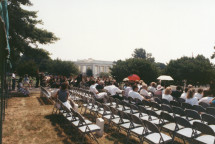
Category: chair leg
<point>128,135</point>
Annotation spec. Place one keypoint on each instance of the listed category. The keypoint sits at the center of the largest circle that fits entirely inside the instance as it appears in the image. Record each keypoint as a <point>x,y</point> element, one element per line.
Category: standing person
<point>79,79</point>
<point>37,79</point>
<point>13,80</point>
<point>26,81</point>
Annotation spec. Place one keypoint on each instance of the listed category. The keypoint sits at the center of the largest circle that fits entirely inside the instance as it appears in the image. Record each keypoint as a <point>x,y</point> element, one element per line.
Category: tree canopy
<point>24,32</point>
<point>144,68</point>
<point>196,70</point>
<point>142,54</point>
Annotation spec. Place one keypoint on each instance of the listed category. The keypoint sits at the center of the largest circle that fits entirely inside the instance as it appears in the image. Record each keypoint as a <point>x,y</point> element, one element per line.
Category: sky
<point>112,29</point>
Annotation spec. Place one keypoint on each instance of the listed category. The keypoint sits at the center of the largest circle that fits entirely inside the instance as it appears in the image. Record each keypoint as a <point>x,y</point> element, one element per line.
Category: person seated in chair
<point>98,95</point>
<point>134,93</point>
<point>114,91</point>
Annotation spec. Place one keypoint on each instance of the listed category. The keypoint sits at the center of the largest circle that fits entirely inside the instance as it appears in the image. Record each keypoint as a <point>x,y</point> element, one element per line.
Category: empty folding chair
<point>156,107</point>
<point>74,119</point>
<point>178,111</point>
<point>153,135</point>
<point>134,109</point>
<point>126,107</point>
<point>139,132</point>
<point>111,102</point>
<point>165,101</point>
<point>121,120</point>
<point>146,104</point>
<point>167,108</point>
<point>186,133</point>
<point>209,135</point>
<point>175,103</point>
<point>87,129</point>
<point>181,100</point>
<point>158,100</point>
<point>209,120</point>
<point>210,110</point>
<point>143,113</point>
<point>125,124</point>
<point>119,104</point>
<point>203,104</point>
<point>154,117</point>
<point>193,116</point>
<point>186,106</point>
<point>199,108</point>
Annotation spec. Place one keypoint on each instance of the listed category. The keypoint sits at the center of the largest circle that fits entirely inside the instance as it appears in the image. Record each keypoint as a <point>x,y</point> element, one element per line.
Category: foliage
<point>141,53</point>
<point>89,72</point>
<point>27,67</point>
<point>24,33</point>
<point>144,68</point>
<point>104,75</point>
<point>196,70</point>
<point>65,68</point>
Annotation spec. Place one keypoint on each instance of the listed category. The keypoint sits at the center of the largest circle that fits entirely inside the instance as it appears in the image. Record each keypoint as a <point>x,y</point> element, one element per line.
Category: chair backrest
<point>166,108</point>
<point>166,116</point>
<point>199,108</point>
<point>178,110</point>
<point>136,120</point>
<point>114,111</point>
<point>152,113</point>
<point>143,109</point>
<point>210,119</point>
<point>81,119</point>
<point>138,101</point>
<point>181,100</point>
<point>186,106</point>
<point>106,108</point>
<point>183,122</point>
<point>146,103</point>
<point>156,99</point>
<point>192,114</point>
<point>165,101</point>
<point>210,110</point>
<point>130,99</point>
<point>175,103</point>
<point>133,107</point>
<point>118,102</point>
<point>150,126</point>
<point>203,128</point>
<point>203,104</point>
<point>123,115</point>
<point>156,105</point>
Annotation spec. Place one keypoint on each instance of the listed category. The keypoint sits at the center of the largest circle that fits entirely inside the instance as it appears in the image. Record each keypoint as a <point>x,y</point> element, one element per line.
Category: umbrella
<point>133,77</point>
<point>165,77</point>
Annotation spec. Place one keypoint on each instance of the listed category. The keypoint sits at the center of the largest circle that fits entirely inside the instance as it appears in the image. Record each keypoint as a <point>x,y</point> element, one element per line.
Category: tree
<point>104,75</point>
<point>196,70</point>
<point>27,67</point>
<point>141,53</point>
<point>65,68</point>
<point>89,72</point>
<point>24,32</point>
<point>144,68</point>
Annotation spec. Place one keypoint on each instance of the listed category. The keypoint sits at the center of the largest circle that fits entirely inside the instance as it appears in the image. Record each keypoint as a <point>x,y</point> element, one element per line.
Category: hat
<point>125,79</point>
<point>159,87</point>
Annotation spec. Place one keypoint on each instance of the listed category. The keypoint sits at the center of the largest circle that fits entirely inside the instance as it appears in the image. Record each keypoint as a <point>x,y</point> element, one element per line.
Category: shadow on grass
<point>44,101</point>
<point>65,130</point>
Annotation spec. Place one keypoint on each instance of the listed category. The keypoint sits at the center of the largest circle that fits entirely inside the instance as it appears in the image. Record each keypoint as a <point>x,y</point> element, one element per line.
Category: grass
<point>30,120</point>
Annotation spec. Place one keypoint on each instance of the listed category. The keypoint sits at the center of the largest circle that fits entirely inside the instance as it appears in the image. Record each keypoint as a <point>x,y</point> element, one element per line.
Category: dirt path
<point>27,121</point>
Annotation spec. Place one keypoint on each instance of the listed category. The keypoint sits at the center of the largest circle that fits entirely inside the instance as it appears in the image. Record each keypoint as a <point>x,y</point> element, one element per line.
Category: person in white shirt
<point>208,98</point>
<point>152,87</point>
<point>128,89</point>
<point>134,93</point>
<point>114,91</point>
<point>95,91</point>
<point>190,99</point>
<point>199,94</point>
<point>144,91</point>
<point>167,94</point>
<point>184,94</point>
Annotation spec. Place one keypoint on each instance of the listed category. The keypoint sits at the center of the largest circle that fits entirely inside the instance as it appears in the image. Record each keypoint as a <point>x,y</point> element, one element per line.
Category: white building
<point>96,66</point>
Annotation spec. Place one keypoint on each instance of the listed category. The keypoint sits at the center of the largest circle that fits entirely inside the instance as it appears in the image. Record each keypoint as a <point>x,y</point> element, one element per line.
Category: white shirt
<point>151,89</point>
<point>206,99</point>
<point>198,96</point>
<point>139,87</point>
<point>134,95</point>
<point>184,95</point>
<point>112,89</point>
<point>127,90</point>
<point>93,89</point>
<point>13,75</point>
<point>144,92</point>
<point>167,97</point>
<point>192,101</point>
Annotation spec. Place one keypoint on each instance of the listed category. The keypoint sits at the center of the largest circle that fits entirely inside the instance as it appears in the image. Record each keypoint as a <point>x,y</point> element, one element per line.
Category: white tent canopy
<point>165,77</point>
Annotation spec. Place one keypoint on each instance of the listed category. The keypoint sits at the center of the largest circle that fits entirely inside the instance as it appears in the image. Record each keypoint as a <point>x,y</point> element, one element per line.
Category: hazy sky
<point>112,29</point>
